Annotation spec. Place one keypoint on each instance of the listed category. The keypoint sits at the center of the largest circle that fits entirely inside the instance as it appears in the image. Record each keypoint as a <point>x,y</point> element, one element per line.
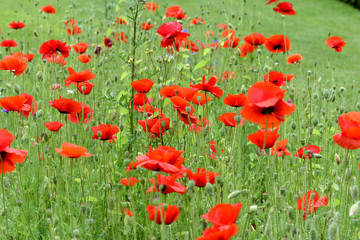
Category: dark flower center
<point>267,110</point>
<point>277,47</point>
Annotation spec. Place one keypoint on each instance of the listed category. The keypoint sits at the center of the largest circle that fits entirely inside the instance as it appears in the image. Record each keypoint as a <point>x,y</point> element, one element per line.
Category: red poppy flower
<point>57,60</point>
<point>31,102</point>
<point>197,21</point>
<point>169,31</point>
<point>223,26</point>
<point>163,216</point>
<point>84,116</point>
<point>313,149</point>
<point>9,156</point>
<point>200,125</point>
<point>146,26</point>
<point>310,202</point>
<point>336,43</point>
<point>151,6</point>
<point>53,47</point>
<point>150,110</point>
<point>266,106</point>
<point>232,42</point>
<point>183,92</point>
<point>278,43</point>
<point>255,39</point>
<point>70,150</point>
<point>285,8</point>
<point>279,148</point>
<point>227,75</point>
<point>349,137</point>
<point>239,100</point>
<point>121,36</point>
<point>108,43</point>
<point>217,232</point>
<point>155,126</point>
<point>201,177</point>
<point>258,138</point>
<point>180,106</point>
<point>271,1</point>
<point>200,99</point>
<point>186,43</point>
<point>278,78</point>
<point>85,58</point>
<point>166,185</point>
<point>140,99</point>
<point>13,64</point>
<point>8,43</point>
<point>143,85</point>
<point>66,106</point>
<point>131,181</point>
<point>223,214</point>
<point>25,57</point>
<point>245,49</point>
<point>295,58</point>
<point>74,30</point>
<point>106,132</point>
<point>78,77</point>
<point>163,158</point>
<point>55,86</point>
<point>54,126</point>
<point>229,120</point>
<point>209,87</point>
<point>85,87</point>
<point>120,21</point>
<point>16,25</point>
<point>15,103</point>
<point>209,33</point>
<point>213,149</point>
<point>126,211</point>
<point>169,91</point>
<point>48,9</point>
<point>176,12</point>
<point>80,47</point>
<point>230,33</point>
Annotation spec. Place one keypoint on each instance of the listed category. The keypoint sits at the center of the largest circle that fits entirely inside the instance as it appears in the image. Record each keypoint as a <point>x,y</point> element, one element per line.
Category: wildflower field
<point>129,119</point>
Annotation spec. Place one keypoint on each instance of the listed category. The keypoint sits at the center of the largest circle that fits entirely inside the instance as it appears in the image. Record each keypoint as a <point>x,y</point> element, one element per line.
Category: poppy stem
<point>3,194</point>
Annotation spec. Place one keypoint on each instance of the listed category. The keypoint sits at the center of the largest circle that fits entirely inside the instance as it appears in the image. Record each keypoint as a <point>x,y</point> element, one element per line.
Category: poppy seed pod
<point>354,190</point>
<point>209,188</point>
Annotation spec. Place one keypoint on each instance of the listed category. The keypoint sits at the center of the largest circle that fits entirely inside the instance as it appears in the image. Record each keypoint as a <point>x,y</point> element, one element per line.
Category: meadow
<point>207,120</point>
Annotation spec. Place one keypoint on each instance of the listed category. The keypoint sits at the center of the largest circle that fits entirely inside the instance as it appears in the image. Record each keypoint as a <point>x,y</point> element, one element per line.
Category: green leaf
<point>200,65</point>
<point>206,51</point>
<point>91,199</point>
<point>109,31</point>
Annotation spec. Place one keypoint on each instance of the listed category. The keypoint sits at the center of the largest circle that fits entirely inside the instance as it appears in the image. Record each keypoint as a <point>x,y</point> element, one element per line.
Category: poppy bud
<point>76,233</point>
<point>338,179</point>
<point>209,188</point>
<point>313,234</point>
<point>191,184</point>
<point>354,190</point>
<point>39,113</point>
<point>358,105</point>
<point>17,89</point>
<point>317,155</point>
<point>107,187</point>
<point>333,228</point>
<point>19,202</point>
<point>39,76</point>
<point>188,109</point>
<point>315,122</point>
<point>90,221</point>
<point>253,209</point>
<point>283,190</point>
<point>354,209</point>
<point>48,213</point>
<point>234,194</point>
<point>237,118</point>
<point>337,159</point>
<point>111,203</point>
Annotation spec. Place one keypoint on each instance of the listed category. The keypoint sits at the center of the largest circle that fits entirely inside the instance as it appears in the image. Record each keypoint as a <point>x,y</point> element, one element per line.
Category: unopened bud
<point>253,209</point>
<point>234,194</point>
<point>337,159</point>
<point>209,188</point>
<point>354,190</point>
